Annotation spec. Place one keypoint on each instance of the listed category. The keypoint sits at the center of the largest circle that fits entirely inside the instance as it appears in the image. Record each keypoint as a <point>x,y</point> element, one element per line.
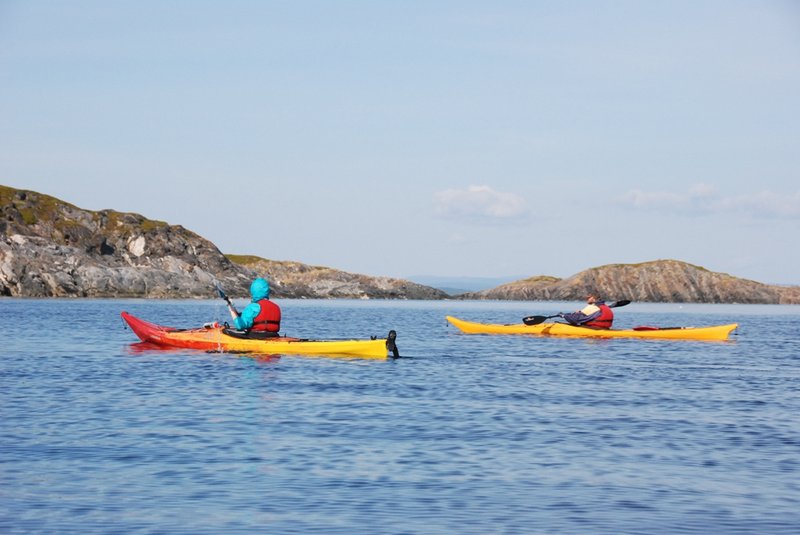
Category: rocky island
<point>51,248</point>
<point>659,281</point>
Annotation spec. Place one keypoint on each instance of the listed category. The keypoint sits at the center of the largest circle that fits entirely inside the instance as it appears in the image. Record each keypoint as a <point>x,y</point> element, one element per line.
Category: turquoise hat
<point>259,289</point>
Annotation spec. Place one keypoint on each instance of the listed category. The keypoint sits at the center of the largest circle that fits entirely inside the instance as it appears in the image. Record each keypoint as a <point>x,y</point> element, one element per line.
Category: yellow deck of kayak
<point>716,332</point>
<point>218,340</point>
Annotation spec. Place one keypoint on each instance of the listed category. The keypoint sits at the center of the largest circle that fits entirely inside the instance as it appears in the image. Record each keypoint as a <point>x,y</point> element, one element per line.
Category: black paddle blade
<point>391,344</point>
<point>620,303</point>
<point>535,320</point>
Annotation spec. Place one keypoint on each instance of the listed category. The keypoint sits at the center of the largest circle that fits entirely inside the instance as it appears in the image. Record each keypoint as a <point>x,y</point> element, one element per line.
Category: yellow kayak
<point>215,338</point>
<point>716,332</point>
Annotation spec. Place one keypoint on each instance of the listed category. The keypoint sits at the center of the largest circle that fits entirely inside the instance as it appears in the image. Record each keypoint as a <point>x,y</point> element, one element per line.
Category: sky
<point>445,138</point>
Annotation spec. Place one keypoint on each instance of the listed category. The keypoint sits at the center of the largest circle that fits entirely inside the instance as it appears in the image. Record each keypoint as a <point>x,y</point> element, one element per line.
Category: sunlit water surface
<point>467,434</point>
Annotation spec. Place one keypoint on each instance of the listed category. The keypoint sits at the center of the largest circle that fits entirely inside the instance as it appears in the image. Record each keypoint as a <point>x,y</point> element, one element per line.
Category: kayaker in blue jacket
<point>261,315</point>
<point>596,314</point>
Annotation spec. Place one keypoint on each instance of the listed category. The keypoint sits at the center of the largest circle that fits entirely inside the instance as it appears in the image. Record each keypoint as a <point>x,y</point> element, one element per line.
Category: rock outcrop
<point>667,281</point>
<point>50,248</point>
<point>294,279</point>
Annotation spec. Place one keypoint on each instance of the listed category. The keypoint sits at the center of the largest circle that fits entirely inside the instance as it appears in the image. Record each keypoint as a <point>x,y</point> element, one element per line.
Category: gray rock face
<point>294,279</point>
<point>50,248</point>
<point>665,281</point>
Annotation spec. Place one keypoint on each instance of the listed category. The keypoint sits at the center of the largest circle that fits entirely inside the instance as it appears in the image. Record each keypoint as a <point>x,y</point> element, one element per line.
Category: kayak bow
<point>215,339</point>
<point>716,332</point>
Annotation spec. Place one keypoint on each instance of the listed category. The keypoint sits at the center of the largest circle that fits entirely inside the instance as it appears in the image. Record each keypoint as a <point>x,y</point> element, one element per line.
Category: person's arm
<point>245,320</point>
<point>579,318</point>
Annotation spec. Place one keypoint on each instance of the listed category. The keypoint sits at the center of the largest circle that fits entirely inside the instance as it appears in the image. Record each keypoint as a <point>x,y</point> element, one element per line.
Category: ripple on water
<point>470,434</point>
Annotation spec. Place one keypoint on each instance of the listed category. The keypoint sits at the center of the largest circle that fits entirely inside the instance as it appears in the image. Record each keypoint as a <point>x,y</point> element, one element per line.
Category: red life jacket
<point>269,319</point>
<point>604,320</point>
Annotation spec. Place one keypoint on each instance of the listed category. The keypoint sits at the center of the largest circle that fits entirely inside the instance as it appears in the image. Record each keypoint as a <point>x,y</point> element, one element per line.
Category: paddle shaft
<point>232,309</point>
<point>536,320</point>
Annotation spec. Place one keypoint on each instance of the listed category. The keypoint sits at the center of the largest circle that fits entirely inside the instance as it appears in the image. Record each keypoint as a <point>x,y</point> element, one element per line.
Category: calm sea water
<point>468,434</point>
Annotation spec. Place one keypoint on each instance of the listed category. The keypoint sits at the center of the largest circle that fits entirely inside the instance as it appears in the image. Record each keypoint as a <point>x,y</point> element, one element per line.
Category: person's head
<point>592,298</point>
<point>259,289</point>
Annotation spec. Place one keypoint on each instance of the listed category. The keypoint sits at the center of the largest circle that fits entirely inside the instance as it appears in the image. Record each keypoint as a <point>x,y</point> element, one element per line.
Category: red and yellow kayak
<point>716,332</point>
<point>214,338</point>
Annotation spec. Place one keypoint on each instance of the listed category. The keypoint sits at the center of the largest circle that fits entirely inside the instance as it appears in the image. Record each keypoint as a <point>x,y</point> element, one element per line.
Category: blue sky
<point>450,138</point>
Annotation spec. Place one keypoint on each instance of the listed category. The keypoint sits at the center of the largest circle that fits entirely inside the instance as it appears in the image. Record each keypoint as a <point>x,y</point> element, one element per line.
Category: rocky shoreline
<point>659,281</point>
<point>50,248</point>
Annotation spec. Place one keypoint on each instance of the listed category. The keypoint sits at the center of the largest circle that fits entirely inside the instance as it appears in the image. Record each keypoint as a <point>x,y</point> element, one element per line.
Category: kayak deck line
<point>714,332</point>
<point>213,338</point>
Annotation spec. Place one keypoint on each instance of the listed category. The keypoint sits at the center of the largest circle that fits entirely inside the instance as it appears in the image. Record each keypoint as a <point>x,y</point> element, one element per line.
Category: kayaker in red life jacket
<point>261,315</point>
<point>596,314</point>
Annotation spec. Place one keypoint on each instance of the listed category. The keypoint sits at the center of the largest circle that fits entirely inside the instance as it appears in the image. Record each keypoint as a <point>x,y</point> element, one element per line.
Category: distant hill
<point>459,285</point>
<point>295,279</point>
<point>51,248</point>
<point>665,281</point>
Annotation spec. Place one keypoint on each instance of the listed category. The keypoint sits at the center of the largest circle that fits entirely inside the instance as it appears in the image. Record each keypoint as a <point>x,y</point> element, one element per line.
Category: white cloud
<point>697,200</point>
<point>765,204</point>
<point>702,199</point>
<point>479,203</point>
<point>458,239</point>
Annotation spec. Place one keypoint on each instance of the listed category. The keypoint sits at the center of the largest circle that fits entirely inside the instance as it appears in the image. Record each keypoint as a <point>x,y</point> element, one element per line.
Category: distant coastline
<point>51,248</point>
<point>460,285</point>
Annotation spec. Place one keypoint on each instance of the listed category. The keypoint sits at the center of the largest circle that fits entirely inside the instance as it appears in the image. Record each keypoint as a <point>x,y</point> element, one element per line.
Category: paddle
<point>536,320</point>
<point>231,308</point>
